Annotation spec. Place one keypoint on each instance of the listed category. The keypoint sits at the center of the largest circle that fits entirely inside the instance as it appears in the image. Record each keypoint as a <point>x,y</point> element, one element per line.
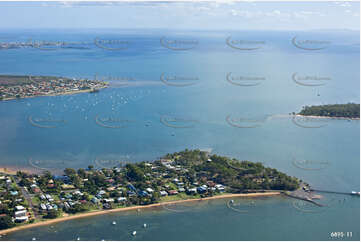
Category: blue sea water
<point>152,118</point>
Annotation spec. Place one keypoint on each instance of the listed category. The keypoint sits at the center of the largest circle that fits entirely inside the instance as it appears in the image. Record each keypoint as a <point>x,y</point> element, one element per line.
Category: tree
<point>6,222</point>
<point>4,209</point>
<point>69,171</point>
<point>81,172</point>
<point>134,172</point>
<point>52,214</point>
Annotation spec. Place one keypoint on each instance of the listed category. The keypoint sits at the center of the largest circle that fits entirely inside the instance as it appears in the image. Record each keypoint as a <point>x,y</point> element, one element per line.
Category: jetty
<point>335,192</point>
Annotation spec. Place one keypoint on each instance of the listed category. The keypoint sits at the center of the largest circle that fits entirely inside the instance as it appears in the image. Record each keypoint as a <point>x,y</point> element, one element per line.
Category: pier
<point>335,192</point>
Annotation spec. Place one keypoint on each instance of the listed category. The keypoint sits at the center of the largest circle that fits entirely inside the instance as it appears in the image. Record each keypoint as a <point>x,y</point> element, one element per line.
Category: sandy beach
<point>10,170</point>
<point>94,213</point>
<point>324,117</point>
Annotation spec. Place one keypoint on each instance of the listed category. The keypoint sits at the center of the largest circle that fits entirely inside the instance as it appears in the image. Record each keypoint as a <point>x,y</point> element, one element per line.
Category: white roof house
<point>121,199</point>
<point>22,218</point>
<point>20,213</point>
<point>101,192</point>
<point>150,190</point>
<point>163,193</point>
<point>192,189</point>
<point>19,208</point>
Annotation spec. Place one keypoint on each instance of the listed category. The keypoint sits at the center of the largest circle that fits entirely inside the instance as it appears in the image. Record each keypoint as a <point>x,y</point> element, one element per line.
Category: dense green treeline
<point>349,110</point>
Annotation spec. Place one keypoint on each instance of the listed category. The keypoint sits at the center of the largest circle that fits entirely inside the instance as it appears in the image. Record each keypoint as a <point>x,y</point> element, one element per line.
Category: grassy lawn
<point>56,197</point>
<point>36,201</point>
<point>172,186</point>
<point>179,196</point>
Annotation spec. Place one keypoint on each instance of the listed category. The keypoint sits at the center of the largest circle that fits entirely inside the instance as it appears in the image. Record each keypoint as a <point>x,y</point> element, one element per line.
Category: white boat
<point>355,193</point>
<point>34,239</point>
<point>144,225</point>
<point>114,223</point>
<point>134,233</point>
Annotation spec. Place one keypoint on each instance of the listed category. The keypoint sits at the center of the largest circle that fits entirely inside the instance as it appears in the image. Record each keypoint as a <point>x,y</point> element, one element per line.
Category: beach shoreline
<point>324,117</point>
<point>102,212</point>
<point>12,170</point>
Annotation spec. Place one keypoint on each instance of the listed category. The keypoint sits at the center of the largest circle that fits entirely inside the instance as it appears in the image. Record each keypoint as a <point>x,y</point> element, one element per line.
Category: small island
<point>13,87</point>
<point>29,200</point>
<point>349,110</point>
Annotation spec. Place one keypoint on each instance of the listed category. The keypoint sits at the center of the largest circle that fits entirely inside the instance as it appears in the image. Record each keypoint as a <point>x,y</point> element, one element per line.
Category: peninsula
<point>29,200</point>
<point>12,86</point>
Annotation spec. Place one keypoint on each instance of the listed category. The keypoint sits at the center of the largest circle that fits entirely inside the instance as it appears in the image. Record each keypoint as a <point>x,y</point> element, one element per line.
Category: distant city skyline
<point>181,15</point>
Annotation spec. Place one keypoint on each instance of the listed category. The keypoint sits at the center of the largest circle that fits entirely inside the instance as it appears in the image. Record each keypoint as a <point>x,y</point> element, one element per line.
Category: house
<point>181,189</point>
<point>108,200</point>
<point>150,190</point>
<point>42,197</point>
<point>95,200</point>
<point>102,192</point>
<point>121,199</point>
<point>19,208</point>
<point>20,213</point>
<point>67,186</point>
<point>201,189</point>
<point>109,189</point>
<point>49,197</point>
<point>67,206</point>
<point>21,219</point>
<point>79,193</point>
<point>173,192</point>
<point>42,206</point>
<point>143,193</point>
<point>219,187</point>
<point>36,189</point>
<point>14,193</point>
<point>106,206</point>
<point>192,190</point>
<point>50,185</point>
<point>64,179</point>
<point>163,193</point>
<point>131,193</point>
<point>131,187</point>
<point>68,196</point>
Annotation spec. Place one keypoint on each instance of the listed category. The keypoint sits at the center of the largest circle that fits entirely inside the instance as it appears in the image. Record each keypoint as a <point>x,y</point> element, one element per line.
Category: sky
<point>247,15</point>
